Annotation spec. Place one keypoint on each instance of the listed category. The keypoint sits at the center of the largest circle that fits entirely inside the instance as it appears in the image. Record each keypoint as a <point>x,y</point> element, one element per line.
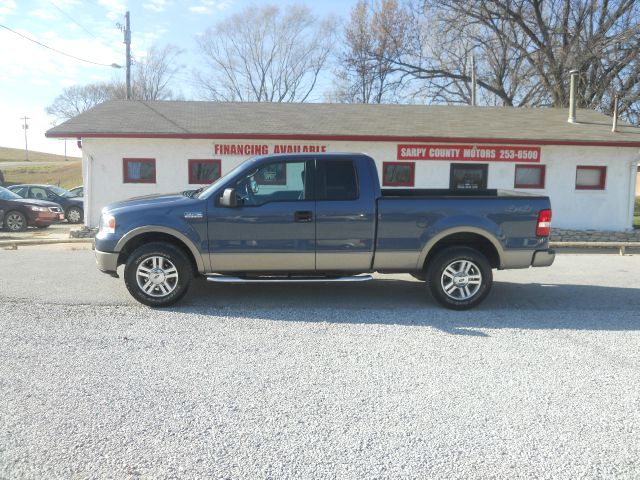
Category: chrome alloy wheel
<point>14,222</point>
<point>157,276</point>
<point>461,280</point>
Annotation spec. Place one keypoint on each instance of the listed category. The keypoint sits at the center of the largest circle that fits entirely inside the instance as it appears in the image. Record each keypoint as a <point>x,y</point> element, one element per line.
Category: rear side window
<point>336,180</point>
<point>22,191</point>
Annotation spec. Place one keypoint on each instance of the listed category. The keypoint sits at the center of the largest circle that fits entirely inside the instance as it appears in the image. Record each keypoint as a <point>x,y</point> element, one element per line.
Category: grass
<point>66,174</point>
<point>18,155</point>
<point>636,214</point>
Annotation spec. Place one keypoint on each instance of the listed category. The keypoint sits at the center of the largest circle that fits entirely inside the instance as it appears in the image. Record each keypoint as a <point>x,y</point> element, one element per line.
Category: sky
<point>32,76</point>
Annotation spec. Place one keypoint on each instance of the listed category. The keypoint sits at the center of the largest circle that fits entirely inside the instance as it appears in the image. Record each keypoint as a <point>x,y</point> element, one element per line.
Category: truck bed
<point>445,192</point>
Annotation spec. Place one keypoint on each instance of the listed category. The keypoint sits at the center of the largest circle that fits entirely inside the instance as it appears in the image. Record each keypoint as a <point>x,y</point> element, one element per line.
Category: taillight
<point>543,229</point>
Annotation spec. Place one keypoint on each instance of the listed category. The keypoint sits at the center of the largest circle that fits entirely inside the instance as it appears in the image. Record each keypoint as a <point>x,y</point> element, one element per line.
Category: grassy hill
<point>17,155</point>
<point>57,171</point>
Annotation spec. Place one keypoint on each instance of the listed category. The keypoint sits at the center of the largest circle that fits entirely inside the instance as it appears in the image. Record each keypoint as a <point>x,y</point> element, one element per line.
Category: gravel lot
<point>332,381</point>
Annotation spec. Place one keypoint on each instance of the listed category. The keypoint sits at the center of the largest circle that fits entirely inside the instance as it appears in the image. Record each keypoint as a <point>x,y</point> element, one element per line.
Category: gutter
<point>347,138</point>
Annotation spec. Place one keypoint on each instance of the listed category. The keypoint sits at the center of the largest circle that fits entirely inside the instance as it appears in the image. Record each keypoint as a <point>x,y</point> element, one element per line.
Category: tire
<point>171,270</point>
<point>459,278</point>
<point>74,215</point>
<point>15,221</point>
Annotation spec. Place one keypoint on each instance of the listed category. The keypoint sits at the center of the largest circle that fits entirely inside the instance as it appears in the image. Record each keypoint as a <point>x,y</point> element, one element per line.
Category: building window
<point>466,176</point>
<point>530,176</point>
<point>590,178</point>
<point>398,174</point>
<point>204,171</point>
<point>139,170</point>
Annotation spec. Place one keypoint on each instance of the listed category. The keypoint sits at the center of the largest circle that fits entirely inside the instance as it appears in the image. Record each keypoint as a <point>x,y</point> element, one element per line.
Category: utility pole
<point>25,127</point>
<point>127,41</point>
<point>473,80</point>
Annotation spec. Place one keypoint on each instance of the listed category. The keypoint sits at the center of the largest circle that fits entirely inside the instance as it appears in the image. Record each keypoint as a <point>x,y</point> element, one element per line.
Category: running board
<point>274,279</point>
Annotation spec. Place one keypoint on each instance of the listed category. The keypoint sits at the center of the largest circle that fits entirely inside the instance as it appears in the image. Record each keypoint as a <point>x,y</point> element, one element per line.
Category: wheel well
<point>149,237</point>
<point>472,240</point>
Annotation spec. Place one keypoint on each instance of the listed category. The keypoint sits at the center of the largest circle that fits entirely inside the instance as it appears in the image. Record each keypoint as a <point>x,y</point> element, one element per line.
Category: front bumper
<point>46,218</point>
<point>107,262</point>
<point>543,258</point>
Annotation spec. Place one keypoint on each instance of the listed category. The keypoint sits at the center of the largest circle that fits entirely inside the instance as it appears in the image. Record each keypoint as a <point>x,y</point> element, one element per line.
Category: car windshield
<point>8,194</point>
<point>61,192</point>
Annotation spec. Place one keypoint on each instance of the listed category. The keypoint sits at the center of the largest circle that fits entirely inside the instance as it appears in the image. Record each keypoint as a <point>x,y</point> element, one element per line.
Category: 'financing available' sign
<point>469,153</point>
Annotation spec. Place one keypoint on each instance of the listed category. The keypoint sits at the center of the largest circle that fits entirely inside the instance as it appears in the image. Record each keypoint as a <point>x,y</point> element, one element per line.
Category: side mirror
<point>229,198</point>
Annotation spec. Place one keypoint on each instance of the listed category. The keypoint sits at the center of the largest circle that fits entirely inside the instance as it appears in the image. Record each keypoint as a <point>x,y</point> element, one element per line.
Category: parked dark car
<point>73,206</point>
<point>77,191</point>
<point>18,213</point>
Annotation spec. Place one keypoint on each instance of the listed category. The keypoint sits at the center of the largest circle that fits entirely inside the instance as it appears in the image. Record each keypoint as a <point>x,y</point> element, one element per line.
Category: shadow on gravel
<point>400,302</point>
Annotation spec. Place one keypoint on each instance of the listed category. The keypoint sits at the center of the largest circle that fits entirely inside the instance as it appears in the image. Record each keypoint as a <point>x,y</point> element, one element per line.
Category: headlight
<point>39,209</point>
<point>108,223</point>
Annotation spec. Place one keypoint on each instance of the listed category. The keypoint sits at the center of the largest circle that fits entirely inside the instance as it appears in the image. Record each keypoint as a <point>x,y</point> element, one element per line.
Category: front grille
<point>55,209</point>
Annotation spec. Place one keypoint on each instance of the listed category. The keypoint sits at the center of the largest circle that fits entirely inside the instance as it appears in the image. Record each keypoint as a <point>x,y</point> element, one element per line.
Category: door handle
<point>303,216</point>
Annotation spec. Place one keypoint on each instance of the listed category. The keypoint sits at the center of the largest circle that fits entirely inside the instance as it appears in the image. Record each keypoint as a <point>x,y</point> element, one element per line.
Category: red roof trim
<point>348,138</point>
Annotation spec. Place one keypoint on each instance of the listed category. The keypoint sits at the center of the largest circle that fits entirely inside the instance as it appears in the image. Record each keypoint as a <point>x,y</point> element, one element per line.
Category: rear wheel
<point>459,278</point>
<point>158,274</point>
<point>15,221</point>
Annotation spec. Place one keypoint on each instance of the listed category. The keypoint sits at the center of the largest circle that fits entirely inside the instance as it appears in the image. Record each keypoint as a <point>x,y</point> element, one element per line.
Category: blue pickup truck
<point>321,218</point>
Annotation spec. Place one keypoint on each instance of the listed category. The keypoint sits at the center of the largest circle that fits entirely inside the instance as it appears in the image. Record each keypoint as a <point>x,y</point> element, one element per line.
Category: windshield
<point>61,192</point>
<point>8,194</point>
<point>211,188</point>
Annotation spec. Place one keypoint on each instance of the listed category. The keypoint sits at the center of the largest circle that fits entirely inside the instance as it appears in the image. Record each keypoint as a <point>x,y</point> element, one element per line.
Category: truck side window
<point>336,180</point>
<point>273,182</point>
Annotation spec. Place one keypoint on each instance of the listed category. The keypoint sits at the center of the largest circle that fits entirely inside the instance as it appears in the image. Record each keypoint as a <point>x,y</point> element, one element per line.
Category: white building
<point>133,148</point>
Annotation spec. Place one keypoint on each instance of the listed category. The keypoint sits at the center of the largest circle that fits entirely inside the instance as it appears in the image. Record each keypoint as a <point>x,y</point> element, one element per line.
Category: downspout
<point>572,96</point>
<point>632,191</point>
<point>88,194</point>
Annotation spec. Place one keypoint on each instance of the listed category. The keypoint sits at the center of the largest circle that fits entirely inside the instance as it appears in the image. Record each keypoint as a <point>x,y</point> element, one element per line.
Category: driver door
<point>273,227</point>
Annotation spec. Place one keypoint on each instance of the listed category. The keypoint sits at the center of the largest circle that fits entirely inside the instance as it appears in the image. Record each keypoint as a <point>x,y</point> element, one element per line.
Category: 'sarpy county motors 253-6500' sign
<point>469,153</point>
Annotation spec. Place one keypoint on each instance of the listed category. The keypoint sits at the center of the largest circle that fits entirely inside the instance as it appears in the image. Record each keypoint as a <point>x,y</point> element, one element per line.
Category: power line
<point>73,20</point>
<point>81,26</point>
<point>56,50</point>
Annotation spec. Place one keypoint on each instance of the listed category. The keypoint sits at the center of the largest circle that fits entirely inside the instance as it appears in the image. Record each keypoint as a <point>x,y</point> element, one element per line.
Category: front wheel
<point>15,221</point>
<point>74,215</point>
<point>459,278</point>
<point>158,274</point>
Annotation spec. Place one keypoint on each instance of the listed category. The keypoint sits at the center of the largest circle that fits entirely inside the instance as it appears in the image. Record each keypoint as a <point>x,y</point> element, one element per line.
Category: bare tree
<point>264,54</point>
<point>79,98</point>
<point>153,76</point>
<point>373,39</point>
<point>525,50</point>
<point>155,73</point>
